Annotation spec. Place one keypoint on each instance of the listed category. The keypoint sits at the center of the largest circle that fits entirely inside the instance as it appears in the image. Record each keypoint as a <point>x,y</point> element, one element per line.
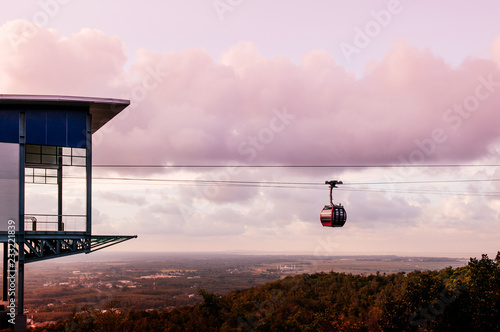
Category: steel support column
<point>60,226</point>
<point>20,232</point>
<point>5,271</point>
<point>88,170</point>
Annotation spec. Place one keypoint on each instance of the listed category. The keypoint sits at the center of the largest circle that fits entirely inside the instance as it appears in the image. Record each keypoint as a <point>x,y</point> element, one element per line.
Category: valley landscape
<point>162,281</point>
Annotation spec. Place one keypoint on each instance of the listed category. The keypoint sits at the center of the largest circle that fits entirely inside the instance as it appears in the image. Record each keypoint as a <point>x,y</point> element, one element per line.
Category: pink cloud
<point>39,61</point>
<point>495,50</point>
<point>251,109</point>
<point>189,109</point>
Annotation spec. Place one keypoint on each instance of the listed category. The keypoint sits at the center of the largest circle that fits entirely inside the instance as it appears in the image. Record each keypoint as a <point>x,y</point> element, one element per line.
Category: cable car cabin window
<point>333,216</point>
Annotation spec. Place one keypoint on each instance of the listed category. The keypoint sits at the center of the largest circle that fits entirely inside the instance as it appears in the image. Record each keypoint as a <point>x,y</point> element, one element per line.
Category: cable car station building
<point>46,186</point>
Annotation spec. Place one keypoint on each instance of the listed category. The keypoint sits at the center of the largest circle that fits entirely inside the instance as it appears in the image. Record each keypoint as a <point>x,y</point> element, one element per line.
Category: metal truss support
<point>39,247</point>
<point>99,242</point>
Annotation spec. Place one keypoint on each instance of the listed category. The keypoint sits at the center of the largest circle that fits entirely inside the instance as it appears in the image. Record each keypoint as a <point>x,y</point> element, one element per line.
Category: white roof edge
<point>59,98</point>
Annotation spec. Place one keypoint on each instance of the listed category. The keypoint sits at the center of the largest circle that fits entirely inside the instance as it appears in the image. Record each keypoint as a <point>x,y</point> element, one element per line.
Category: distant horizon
<point>124,255</point>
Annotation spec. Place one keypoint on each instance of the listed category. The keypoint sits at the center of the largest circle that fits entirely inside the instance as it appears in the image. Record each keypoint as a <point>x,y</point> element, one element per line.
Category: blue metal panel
<point>9,126</point>
<point>77,129</point>
<point>56,128</point>
<point>36,127</point>
<point>66,128</point>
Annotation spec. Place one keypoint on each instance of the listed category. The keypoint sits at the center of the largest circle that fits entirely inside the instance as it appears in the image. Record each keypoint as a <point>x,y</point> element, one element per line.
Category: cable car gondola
<point>333,215</point>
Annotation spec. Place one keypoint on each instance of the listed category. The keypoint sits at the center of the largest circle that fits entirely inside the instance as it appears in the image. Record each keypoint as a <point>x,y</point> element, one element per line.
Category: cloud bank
<point>188,108</point>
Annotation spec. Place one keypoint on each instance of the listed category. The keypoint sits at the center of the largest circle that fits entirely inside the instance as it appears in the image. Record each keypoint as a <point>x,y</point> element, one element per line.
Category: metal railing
<point>50,223</point>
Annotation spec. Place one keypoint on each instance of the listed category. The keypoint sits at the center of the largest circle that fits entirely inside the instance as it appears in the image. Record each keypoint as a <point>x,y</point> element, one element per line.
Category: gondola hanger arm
<point>333,184</point>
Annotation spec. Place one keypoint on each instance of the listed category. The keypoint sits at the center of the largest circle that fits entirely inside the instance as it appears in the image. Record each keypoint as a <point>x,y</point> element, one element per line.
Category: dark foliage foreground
<point>461,299</point>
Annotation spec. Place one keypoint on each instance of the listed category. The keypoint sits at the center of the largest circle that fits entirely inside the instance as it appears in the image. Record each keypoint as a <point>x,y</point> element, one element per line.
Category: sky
<point>364,85</point>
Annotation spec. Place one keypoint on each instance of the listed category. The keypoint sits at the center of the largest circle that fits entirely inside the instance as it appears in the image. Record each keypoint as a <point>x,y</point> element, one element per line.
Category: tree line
<point>453,299</point>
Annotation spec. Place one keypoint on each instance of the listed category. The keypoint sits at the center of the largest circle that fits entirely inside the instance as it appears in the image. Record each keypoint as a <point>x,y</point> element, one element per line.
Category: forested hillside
<point>461,299</point>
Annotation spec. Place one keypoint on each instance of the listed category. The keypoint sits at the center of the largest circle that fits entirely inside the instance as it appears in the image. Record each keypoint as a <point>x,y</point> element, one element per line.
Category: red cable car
<point>333,215</point>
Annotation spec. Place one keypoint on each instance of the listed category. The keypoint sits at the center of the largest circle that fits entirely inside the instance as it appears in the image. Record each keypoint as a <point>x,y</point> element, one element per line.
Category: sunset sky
<point>365,85</point>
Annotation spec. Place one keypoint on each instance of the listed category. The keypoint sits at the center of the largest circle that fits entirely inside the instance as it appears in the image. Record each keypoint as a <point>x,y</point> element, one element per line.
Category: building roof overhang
<point>101,109</point>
